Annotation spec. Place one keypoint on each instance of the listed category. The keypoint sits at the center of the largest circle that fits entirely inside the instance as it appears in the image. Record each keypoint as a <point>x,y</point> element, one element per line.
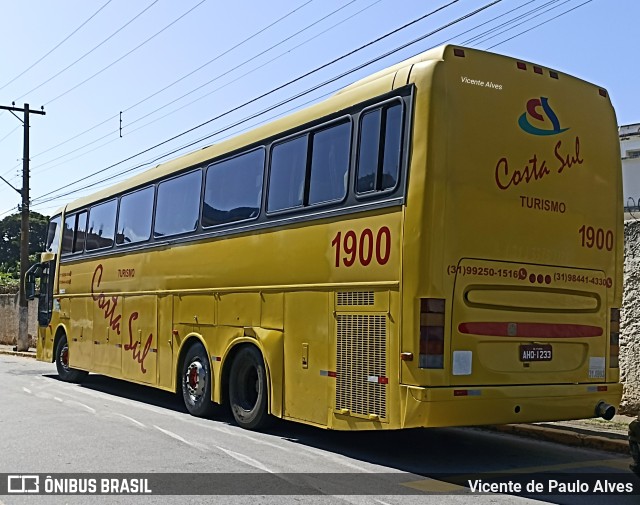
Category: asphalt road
<point>109,426</point>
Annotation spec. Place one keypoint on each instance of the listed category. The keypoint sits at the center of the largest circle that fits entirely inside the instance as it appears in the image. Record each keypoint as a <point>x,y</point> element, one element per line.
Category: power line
<point>481,40</point>
<point>263,52</point>
<point>91,50</point>
<point>57,46</point>
<point>175,82</point>
<point>309,90</point>
<point>229,50</point>
<point>543,23</point>
<point>477,38</point>
<point>126,54</point>
<point>245,62</point>
<point>8,135</point>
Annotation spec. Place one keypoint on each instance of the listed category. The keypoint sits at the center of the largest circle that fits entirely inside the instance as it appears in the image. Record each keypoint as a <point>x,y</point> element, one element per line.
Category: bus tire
<point>196,381</point>
<point>65,372</point>
<point>248,389</point>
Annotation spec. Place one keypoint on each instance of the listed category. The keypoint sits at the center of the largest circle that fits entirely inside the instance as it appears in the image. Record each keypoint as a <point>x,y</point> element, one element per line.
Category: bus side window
<point>286,179</point>
<point>379,149</point>
<point>233,189</point>
<point>329,163</point>
<point>80,232</point>
<point>134,216</point>
<point>178,205</point>
<point>102,226</point>
<point>67,234</point>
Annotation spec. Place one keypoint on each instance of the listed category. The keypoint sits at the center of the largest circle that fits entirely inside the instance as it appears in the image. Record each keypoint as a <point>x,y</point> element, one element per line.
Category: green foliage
<point>10,243</point>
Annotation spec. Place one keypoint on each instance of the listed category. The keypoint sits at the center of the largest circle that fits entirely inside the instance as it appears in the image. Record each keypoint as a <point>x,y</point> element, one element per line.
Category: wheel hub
<point>195,380</point>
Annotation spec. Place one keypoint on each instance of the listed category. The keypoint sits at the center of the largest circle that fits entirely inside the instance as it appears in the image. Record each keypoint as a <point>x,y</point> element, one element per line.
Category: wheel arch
<point>270,343</point>
<point>190,340</point>
<point>61,331</point>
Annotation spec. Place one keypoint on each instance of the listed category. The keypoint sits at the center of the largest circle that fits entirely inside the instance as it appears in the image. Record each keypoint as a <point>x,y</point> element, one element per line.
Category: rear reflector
<point>614,338</point>
<point>431,333</point>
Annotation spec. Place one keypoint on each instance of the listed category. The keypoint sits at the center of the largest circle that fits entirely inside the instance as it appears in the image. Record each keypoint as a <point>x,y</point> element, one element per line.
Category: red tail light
<point>431,333</point>
<point>614,338</point>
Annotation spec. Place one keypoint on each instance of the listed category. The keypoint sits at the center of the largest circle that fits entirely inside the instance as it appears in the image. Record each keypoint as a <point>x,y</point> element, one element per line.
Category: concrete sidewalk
<point>609,436</point>
<point>10,350</point>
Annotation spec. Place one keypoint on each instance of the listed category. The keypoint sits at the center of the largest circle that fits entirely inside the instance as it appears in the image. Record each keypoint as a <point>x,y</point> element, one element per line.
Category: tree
<point>10,240</point>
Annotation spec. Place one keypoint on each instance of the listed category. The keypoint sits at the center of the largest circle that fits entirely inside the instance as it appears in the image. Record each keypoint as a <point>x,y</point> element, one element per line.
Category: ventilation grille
<point>361,357</point>
<point>355,298</point>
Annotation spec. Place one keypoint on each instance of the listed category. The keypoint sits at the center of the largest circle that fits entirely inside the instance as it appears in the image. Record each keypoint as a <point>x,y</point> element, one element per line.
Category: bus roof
<point>368,87</point>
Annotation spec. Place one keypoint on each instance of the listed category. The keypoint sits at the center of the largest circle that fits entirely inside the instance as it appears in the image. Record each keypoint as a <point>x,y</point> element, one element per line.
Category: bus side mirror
<point>30,281</point>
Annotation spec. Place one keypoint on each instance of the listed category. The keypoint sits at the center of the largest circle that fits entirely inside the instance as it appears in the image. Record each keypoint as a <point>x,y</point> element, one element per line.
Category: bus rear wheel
<point>248,389</point>
<point>196,382</point>
<point>65,372</point>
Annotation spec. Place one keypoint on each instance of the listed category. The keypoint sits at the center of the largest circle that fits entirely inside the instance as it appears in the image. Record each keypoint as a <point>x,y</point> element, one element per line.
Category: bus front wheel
<point>248,389</point>
<point>65,372</point>
<point>196,382</point>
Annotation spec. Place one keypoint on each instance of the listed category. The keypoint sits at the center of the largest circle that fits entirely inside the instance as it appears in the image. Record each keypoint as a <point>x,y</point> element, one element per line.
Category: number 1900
<point>596,237</point>
<point>365,248</point>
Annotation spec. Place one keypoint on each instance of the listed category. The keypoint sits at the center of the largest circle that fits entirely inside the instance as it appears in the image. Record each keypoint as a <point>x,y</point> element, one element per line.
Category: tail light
<point>431,333</point>
<point>614,338</point>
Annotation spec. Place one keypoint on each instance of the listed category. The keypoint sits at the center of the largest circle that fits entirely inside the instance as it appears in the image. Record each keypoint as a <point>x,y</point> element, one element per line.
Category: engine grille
<point>361,358</point>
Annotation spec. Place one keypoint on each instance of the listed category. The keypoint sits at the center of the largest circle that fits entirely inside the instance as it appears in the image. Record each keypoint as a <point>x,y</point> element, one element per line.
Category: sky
<point>117,78</point>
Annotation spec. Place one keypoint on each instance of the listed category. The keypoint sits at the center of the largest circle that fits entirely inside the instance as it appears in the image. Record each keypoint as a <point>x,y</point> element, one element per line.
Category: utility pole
<point>23,321</point>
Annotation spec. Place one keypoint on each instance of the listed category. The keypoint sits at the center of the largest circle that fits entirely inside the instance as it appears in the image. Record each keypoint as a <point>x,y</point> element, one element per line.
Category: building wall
<point>630,141</point>
<point>630,320</point>
<point>9,319</point>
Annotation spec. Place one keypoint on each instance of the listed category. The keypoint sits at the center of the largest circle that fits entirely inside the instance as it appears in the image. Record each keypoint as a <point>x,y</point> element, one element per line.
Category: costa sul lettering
<point>108,305</point>
<point>536,168</point>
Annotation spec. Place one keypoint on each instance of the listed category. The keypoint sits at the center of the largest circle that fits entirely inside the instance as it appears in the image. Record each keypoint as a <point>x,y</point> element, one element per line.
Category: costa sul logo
<point>537,168</point>
<point>541,112</point>
<point>108,305</point>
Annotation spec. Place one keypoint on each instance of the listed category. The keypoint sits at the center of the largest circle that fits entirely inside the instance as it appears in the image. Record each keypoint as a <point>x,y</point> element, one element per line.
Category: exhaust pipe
<point>605,411</point>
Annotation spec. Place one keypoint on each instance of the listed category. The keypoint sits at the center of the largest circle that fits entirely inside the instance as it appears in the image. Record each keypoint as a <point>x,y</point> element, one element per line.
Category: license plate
<point>532,352</point>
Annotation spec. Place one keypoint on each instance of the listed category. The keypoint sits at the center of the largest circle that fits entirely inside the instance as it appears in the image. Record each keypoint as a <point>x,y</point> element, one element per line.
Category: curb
<point>566,436</point>
<point>21,354</point>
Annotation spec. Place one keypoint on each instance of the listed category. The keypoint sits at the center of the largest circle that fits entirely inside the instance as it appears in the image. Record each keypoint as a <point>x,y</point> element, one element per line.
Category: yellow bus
<point>438,244</point>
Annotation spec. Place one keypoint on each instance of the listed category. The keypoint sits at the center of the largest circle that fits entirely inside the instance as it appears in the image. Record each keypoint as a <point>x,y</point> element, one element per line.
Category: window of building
<point>134,217</point>
<point>102,225</point>
<point>233,189</point>
<point>633,154</point>
<point>379,148</point>
<point>178,205</point>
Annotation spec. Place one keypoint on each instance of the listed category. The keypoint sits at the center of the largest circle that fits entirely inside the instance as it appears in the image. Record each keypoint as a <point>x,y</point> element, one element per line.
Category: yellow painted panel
<point>307,335</point>
<point>239,309</point>
<point>166,342</point>
<point>140,339</point>
<point>272,312</point>
<point>195,309</point>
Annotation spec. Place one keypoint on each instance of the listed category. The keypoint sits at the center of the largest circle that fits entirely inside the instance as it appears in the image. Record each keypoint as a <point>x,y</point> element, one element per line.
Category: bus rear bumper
<point>467,406</point>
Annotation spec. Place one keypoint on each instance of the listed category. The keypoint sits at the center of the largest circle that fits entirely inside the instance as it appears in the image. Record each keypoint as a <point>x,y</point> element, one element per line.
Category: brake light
<point>431,333</point>
<point>614,338</point>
